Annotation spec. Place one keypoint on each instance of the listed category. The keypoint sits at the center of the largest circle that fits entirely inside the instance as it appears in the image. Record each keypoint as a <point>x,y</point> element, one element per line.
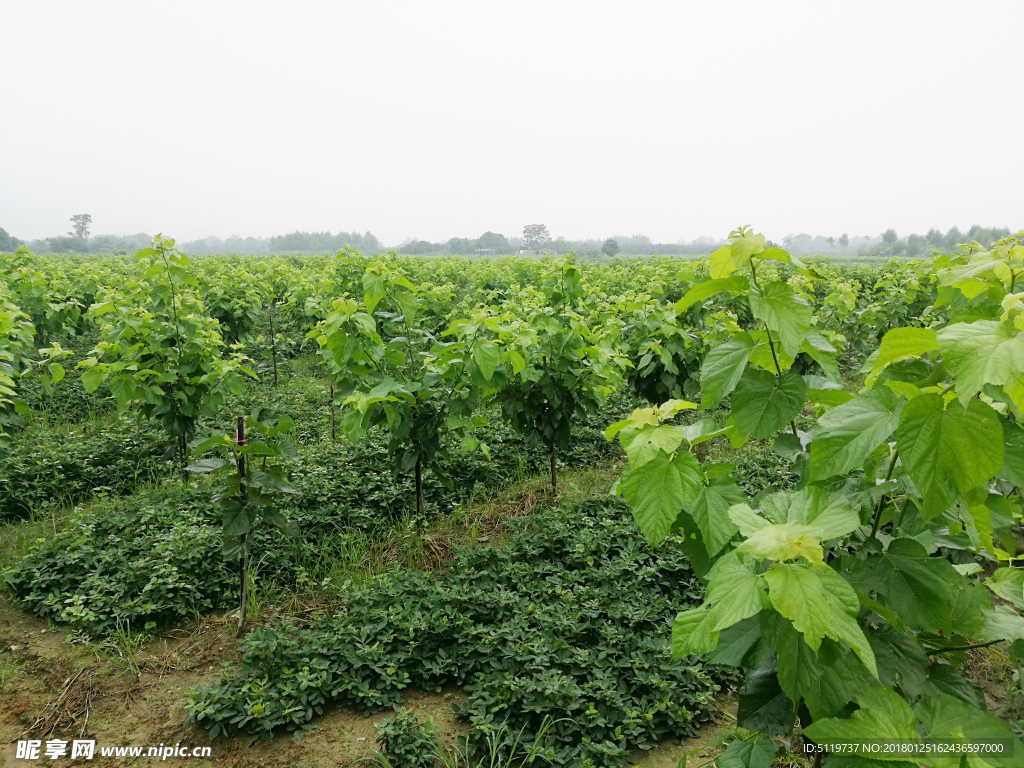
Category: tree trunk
<point>273,341</point>
<point>243,560</point>
<point>419,490</point>
<point>554,472</point>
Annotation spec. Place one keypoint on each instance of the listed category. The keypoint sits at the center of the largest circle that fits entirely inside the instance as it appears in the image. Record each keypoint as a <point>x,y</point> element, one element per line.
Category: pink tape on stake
<point>237,441</point>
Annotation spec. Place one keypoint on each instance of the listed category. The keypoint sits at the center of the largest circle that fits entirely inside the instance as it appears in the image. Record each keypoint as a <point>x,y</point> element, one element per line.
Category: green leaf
<point>757,752</point>
<point>207,465</point>
<point>735,642</point>
<point>980,353</point>
<point>650,442</point>
<point>237,517</point>
<point>826,515</point>
<point>703,291</point>
<point>830,398</point>
<point>761,405</point>
<point>883,714</point>
<point>1013,453</point>
<point>763,706</point>
<point>658,490</point>
<point>721,262</point>
<point>92,378</point>
<point>847,434</point>
<point>902,344</point>
<point>1008,583</point>
<point>487,355</point>
<point>785,313</point>
<point>945,716</point>
<point>56,372</point>
<point>1002,623</point>
<point>951,450</point>
<point>797,593</point>
<point>944,678</point>
<point>825,681</point>
<point>710,511</point>
<point>722,368</point>
<point>918,587</point>
<point>692,634</point>
<point>734,590</point>
<point>123,388</point>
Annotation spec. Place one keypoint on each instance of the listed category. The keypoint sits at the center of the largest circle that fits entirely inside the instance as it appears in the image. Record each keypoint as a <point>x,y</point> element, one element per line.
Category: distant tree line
<point>535,239</point>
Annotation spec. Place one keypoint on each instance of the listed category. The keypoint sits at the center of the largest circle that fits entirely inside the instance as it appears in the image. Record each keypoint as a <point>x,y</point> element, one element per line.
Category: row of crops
<point>844,587</point>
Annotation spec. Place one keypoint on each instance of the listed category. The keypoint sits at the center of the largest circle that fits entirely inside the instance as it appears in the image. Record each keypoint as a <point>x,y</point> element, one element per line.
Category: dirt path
<point>58,690</point>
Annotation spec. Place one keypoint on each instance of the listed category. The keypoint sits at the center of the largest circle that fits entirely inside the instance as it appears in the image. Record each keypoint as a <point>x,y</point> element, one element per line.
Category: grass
<point>498,751</point>
<point>9,669</point>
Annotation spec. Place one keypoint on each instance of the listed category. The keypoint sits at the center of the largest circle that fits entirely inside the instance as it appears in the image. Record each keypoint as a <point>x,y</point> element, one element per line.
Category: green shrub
<point>408,742</point>
<point>155,556</point>
<point>567,622</point>
<point>68,464</point>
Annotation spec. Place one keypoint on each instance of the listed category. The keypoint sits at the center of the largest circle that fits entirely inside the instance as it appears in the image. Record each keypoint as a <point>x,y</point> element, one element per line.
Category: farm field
<point>747,508</point>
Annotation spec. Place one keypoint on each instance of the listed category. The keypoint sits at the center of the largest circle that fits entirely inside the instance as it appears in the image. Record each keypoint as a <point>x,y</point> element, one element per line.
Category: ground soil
<point>57,689</point>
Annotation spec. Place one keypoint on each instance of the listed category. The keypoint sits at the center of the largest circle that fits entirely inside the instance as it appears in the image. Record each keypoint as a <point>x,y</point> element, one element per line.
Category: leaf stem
<point>881,501</point>
<point>951,649</point>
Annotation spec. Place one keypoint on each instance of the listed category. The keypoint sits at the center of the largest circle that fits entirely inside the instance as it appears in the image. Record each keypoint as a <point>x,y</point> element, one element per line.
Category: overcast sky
<point>440,119</point>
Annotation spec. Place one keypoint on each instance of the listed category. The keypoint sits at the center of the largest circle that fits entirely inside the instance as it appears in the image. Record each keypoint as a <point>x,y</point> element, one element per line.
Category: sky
<point>442,119</point>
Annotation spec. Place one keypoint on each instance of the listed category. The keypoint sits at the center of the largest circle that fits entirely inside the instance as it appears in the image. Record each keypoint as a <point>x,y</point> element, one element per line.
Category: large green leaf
<point>722,368</point>
<point>762,404</point>
<point>827,515</point>
<point>756,752</point>
<point>1002,623</point>
<point>918,587</point>
<point>785,313</point>
<point>658,490</point>
<point>825,680</point>
<point>487,355</point>
<point>946,716</point>
<point>820,603</point>
<point>1013,453</point>
<point>763,705</point>
<point>651,441</point>
<point>735,642</point>
<point>980,353</point>
<point>798,594</point>
<point>883,714</point>
<point>948,450</point>
<point>710,511</point>
<point>847,434</point>
<point>734,590</point>
<point>708,288</point>
<point>692,633</point>
<point>902,344</point>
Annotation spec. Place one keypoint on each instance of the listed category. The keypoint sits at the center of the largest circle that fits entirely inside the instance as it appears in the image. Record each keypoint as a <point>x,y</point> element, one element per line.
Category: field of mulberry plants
<point>306,510</point>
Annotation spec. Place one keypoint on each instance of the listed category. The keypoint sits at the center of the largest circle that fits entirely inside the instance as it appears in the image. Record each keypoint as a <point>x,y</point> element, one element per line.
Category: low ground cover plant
<point>566,621</point>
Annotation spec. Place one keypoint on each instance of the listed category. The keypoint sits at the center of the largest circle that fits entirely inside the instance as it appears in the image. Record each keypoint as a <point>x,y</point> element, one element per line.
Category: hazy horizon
<point>427,122</point>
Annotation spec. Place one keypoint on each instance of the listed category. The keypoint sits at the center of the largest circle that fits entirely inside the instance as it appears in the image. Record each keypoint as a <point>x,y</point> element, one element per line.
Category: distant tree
<point>80,224</point>
<point>915,245</point>
<point>831,241</point>
<point>844,240</point>
<point>494,242</point>
<point>610,247</point>
<point>8,242</point>
<point>934,238</point>
<point>890,236</point>
<point>536,235</point>
<point>67,244</point>
<point>461,245</point>
<point>953,236</point>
